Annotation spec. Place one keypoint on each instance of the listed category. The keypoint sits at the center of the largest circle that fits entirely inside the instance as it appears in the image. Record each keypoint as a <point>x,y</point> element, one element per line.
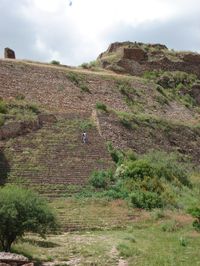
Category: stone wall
<point>136,54</point>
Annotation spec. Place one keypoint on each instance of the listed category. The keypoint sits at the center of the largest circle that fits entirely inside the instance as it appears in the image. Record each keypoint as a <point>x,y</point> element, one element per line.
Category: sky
<point>77,31</point>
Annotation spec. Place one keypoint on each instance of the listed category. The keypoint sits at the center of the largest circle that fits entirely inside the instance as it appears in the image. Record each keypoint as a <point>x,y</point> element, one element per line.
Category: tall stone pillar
<point>8,53</point>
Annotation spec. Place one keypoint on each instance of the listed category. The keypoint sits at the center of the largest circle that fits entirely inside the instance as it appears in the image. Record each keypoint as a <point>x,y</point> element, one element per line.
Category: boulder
<point>8,53</point>
<point>12,259</point>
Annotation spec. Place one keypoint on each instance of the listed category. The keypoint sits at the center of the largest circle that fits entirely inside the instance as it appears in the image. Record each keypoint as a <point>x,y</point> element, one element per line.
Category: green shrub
<point>115,194</point>
<point>55,62</point>
<point>101,106</point>
<point>85,65</point>
<point>146,200</point>
<point>137,169</point>
<point>183,241</point>
<point>195,212</point>
<point>100,179</point>
<point>116,154</point>
<point>168,166</point>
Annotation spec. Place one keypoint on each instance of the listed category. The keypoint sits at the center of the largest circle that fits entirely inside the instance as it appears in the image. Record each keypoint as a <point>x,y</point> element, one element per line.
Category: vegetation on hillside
<point>174,85</point>
<point>23,211</point>
<point>149,181</point>
<point>17,109</point>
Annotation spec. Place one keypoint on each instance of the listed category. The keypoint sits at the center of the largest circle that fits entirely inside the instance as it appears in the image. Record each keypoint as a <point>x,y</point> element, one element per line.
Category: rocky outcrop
<point>9,53</point>
<point>12,259</point>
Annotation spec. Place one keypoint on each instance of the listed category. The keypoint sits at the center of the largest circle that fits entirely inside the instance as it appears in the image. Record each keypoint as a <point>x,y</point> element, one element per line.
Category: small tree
<point>23,211</point>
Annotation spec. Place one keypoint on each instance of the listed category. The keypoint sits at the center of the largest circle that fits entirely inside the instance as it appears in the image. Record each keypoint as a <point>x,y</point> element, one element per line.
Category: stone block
<point>9,53</point>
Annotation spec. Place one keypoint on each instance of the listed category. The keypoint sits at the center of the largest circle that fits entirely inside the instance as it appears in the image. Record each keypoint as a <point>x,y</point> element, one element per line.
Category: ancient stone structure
<point>136,58</point>
<point>8,53</point>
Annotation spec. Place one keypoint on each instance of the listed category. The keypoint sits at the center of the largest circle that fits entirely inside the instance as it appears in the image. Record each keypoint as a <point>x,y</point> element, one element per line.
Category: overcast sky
<point>77,31</point>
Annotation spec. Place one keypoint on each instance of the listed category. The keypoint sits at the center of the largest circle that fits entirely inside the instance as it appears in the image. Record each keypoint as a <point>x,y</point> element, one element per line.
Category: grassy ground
<point>98,231</point>
<point>150,239</point>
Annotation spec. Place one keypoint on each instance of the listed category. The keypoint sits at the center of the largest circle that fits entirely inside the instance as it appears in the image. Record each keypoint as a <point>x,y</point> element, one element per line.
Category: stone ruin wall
<point>135,60</point>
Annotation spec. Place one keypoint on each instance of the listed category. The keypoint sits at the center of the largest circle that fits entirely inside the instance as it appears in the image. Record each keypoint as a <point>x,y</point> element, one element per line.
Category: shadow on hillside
<point>4,168</point>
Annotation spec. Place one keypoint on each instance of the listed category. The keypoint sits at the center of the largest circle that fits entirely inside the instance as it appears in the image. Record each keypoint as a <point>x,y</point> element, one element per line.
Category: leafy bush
<point>90,65</point>
<point>101,179</point>
<point>137,169</point>
<point>85,65</point>
<point>154,177</point>
<point>167,166</point>
<point>101,106</point>
<point>195,212</point>
<point>146,200</point>
<point>55,62</point>
<point>22,211</point>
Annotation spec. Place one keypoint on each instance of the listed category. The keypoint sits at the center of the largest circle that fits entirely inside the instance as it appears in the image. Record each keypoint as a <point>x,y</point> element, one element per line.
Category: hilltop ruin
<point>136,58</point>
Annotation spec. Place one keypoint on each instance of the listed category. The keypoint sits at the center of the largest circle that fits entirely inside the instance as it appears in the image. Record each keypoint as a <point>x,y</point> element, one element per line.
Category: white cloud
<point>43,29</point>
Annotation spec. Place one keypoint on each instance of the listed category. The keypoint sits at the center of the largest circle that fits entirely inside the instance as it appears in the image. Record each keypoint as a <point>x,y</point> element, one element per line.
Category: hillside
<point>142,113</point>
<point>123,198</point>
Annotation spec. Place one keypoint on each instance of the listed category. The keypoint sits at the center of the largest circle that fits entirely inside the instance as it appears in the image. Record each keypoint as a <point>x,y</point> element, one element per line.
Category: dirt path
<point>114,253</point>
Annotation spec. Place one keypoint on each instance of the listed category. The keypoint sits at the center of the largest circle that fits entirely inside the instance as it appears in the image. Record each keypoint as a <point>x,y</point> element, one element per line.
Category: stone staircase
<point>53,160</point>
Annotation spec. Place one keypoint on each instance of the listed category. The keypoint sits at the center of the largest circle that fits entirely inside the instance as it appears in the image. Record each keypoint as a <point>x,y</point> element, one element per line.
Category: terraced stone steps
<point>53,159</point>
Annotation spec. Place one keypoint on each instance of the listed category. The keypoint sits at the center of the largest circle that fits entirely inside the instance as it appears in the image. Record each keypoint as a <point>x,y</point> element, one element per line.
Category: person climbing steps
<point>84,137</point>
